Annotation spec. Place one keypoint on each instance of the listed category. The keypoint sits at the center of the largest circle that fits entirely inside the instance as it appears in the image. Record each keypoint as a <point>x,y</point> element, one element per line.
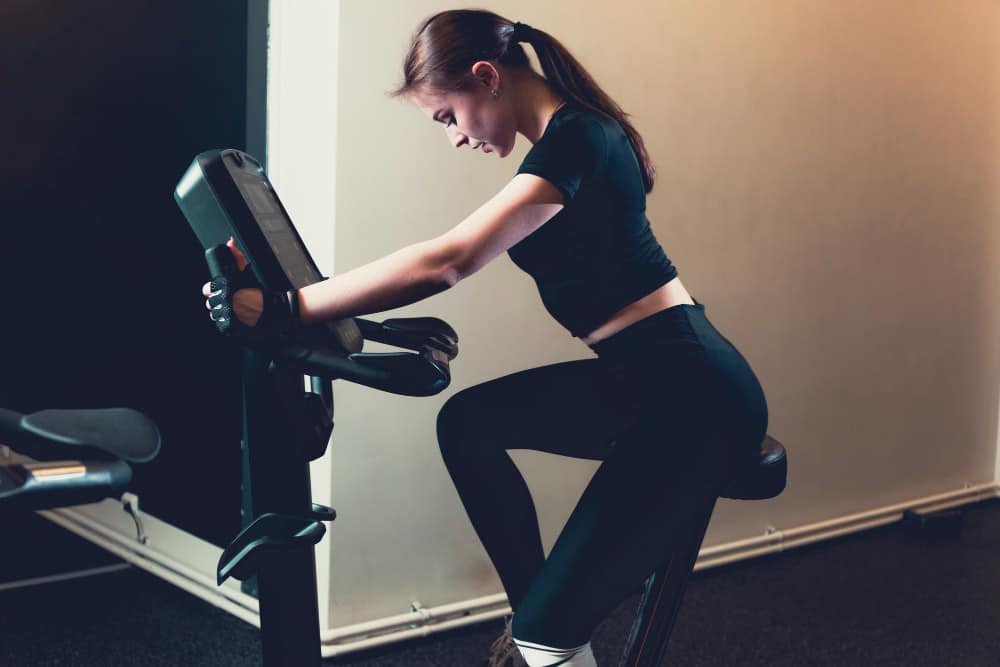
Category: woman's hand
<point>248,303</point>
<point>239,306</point>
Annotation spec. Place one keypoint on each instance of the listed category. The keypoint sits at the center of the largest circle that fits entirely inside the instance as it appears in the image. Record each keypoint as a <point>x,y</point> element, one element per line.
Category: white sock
<point>539,655</point>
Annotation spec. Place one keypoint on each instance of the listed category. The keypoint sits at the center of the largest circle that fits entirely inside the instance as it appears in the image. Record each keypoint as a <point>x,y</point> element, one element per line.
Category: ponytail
<point>571,80</point>
<point>447,44</point>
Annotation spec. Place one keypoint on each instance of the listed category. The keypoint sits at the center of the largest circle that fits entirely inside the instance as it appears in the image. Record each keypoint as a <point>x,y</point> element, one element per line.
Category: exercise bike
<point>77,456</point>
<point>223,194</point>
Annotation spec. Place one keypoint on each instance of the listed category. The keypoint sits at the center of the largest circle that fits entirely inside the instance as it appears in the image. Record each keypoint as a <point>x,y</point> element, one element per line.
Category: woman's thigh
<point>574,408</point>
<point>649,490</point>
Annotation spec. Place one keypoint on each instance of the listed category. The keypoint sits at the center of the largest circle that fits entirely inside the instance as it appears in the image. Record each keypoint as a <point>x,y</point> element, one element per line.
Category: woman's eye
<point>451,121</point>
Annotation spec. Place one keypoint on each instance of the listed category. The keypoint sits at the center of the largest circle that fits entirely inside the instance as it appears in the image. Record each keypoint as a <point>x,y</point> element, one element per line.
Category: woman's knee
<point>454,420</point>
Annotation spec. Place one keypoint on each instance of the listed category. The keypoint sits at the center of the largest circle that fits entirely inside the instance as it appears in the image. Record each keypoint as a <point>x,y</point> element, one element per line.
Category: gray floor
<point>884,597</point>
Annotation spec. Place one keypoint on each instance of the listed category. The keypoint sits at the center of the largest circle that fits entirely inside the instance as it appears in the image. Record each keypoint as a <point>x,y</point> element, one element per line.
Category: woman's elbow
<point>450,277</point>
<point>445,262</point>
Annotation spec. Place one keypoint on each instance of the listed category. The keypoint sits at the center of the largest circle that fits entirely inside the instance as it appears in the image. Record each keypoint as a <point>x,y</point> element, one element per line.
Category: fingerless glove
<point>279,318</point>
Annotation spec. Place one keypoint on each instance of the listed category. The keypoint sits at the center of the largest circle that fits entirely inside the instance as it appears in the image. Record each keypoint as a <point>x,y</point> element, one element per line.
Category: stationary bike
<point>79,456</point>
<point>223,194</point>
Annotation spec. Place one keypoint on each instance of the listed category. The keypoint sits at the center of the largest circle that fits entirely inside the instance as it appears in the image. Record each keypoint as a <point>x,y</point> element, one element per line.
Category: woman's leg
<point>574,408</point>
<point>669,428</point>
<point>707,413</point>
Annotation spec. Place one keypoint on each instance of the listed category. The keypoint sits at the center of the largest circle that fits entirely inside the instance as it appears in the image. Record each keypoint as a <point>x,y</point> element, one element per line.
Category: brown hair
<point>446,45</point>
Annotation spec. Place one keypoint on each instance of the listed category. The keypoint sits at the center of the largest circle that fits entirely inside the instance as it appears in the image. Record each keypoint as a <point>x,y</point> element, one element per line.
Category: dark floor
<point>883,597</point>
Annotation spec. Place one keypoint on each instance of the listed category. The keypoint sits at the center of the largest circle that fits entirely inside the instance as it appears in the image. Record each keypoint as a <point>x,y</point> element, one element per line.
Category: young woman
<point>668,404</point>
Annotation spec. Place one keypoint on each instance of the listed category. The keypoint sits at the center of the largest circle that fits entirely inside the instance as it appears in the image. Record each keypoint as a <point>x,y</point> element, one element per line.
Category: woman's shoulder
<point>573,145</point>
<point>575,114</point>
<point>593,126</point>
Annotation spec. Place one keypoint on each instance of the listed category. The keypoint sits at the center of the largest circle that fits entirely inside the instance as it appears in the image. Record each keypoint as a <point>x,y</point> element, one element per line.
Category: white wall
<point>827,186</point>
<point>302,160</point>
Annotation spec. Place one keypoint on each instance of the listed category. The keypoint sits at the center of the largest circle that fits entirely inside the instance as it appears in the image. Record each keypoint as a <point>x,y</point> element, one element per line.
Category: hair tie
<point>522,32</point>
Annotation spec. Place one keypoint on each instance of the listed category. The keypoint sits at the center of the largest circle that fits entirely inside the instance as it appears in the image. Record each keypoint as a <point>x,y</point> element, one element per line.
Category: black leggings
<point>669,406</point>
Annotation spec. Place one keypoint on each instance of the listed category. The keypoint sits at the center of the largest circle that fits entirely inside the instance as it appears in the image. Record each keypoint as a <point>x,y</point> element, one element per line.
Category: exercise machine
<point>663,591</point>
<point>226,193</point>
<point>78,456</point>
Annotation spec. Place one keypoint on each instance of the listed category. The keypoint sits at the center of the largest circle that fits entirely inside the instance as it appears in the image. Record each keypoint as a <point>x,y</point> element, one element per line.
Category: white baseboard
<point>169,553</point>
<point>782,540</point>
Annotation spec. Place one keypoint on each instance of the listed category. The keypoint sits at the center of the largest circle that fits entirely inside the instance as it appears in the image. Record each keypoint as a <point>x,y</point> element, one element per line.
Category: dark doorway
<point>105,103</point>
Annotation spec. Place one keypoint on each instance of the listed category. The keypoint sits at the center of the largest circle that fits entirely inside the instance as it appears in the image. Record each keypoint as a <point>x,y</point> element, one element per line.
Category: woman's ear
<point>486,74</point>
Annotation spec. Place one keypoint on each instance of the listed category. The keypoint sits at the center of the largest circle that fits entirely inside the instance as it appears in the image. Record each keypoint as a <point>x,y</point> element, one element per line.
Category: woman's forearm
<point>404,277</point>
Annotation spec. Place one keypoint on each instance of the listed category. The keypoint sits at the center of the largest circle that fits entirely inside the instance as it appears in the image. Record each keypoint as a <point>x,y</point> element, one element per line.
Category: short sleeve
<point>567,154</point>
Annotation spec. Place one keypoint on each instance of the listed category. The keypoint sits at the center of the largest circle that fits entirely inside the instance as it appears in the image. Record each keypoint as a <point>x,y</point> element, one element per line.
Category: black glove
<point>280,316</point>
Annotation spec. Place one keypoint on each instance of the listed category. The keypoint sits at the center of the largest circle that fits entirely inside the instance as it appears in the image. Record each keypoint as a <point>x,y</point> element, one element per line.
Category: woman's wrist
<point>294,306</point>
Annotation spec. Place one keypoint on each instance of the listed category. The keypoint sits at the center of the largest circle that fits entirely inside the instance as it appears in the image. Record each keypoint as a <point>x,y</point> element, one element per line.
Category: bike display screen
<point>281,236</point>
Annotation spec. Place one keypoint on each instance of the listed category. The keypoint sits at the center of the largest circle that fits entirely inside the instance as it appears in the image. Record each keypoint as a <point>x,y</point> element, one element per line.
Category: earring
<point>493,93</point>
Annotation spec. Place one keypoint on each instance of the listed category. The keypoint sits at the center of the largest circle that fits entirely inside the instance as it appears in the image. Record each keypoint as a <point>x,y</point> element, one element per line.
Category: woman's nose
<point>457,138</point>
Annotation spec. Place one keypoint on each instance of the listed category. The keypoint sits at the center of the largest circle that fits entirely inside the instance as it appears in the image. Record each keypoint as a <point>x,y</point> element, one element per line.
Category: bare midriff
<point>671,294</point>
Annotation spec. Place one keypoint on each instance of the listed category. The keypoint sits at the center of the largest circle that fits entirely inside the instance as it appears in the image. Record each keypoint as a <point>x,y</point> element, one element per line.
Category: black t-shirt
<point>598,254</point>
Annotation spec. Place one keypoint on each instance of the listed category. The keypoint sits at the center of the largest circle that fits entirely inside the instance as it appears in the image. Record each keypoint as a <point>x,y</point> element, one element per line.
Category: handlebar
<point>315,350</point>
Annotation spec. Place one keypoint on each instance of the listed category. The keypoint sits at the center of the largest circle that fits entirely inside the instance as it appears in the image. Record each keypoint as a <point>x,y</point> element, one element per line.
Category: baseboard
<point>168,553</point>
<point>777,540</point>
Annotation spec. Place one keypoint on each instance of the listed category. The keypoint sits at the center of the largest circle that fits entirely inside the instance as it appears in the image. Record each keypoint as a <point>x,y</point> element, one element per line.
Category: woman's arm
<point>404,277</point>
<point>427,268</point>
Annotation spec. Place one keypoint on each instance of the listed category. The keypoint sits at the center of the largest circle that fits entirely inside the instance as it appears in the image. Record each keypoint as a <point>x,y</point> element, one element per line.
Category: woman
<point>668,404</point>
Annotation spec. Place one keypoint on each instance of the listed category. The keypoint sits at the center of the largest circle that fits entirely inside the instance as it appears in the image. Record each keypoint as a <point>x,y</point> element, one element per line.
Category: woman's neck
<point>536,104</point>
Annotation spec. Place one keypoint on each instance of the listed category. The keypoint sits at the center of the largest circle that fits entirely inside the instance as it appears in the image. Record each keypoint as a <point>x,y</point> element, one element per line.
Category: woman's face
<point>472,117</point>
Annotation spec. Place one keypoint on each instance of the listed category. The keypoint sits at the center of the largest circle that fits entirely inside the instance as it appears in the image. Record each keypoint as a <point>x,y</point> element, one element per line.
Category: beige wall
<point>827,186</point>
